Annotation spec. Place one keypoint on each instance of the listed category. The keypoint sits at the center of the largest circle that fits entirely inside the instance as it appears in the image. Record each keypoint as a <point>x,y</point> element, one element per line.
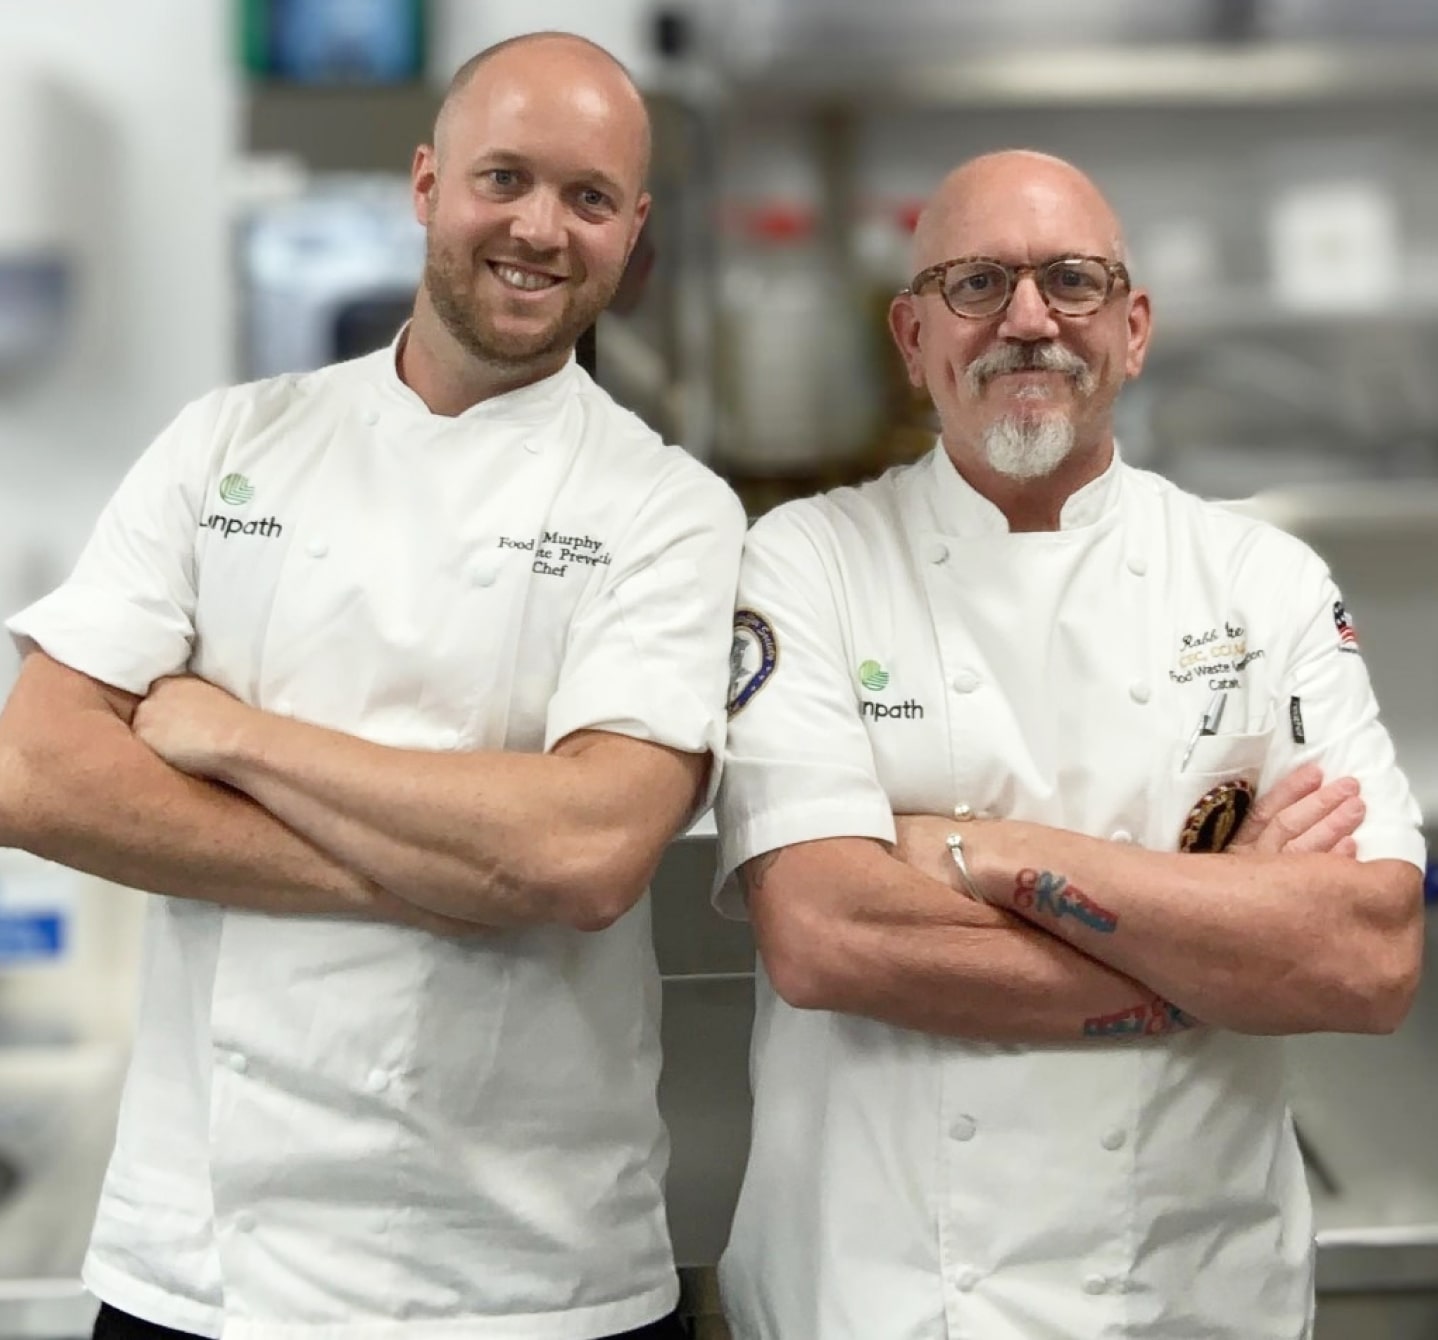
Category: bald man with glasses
<point>1054,795</point>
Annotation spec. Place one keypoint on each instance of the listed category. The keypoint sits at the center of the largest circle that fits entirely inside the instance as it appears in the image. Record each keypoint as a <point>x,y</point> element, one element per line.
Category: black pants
<point>112,1324</point>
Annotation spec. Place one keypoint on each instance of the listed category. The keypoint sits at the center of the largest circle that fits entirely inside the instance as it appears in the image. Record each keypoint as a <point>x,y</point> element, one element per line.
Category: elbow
<point>1373,990</point>
<point>1391,989</point>
<point>18,812</point>
<point>798,962</point>
<point>798,980</point>
<point>599,880</point>
<point>1395,961</point>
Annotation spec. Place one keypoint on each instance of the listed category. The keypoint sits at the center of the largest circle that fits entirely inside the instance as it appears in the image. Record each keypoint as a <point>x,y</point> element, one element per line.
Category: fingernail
<point>1347,786</point>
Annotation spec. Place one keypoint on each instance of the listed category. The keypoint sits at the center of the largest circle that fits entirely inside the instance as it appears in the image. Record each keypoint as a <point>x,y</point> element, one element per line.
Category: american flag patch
<point>1347,634</point>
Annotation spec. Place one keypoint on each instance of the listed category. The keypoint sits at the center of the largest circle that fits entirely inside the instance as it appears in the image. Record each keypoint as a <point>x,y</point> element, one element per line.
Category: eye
<point>594,201</point>
<point>1077,278</point>
<point>501,178</point>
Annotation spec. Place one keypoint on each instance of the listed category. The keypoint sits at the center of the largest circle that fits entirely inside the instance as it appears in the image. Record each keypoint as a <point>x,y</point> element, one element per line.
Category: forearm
<point>859,932</point>
<point>506,838</point>
<point>78,788</point>
<point>1273,944</point>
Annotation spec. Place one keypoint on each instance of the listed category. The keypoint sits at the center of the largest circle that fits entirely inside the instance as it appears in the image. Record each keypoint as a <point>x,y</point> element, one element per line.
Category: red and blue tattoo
<point>1046,894</point>
<point>1151,1018</point>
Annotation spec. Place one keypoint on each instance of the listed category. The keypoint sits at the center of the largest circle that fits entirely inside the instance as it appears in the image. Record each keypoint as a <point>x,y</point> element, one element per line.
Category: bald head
<point>1016,198</point>
<point>537,61</point>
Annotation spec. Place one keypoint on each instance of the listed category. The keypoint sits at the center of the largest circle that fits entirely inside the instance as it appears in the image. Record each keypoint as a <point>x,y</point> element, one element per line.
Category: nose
<point>1027,316</point>
<point>538,221</point>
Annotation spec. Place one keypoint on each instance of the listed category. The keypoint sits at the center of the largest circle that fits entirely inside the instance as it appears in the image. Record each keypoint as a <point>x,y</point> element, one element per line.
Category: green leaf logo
<point>872,675</point>
<point>236,489</point>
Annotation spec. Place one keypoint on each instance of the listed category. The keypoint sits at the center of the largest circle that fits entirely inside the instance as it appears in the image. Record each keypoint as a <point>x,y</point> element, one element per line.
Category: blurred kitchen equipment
<point>41,125</point>
<point>883,249</point>
<point>797,378</point>
<point>624,28</point>
<point>1335,246</point>
<point>1381,542</point>
<point>329,275</point>
<point>764,31</point>
<point>334,41</point>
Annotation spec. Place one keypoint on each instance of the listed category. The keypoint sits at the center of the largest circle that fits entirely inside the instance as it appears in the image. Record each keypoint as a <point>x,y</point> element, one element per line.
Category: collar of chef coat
<point>531,403</point>
<point>961,510</point>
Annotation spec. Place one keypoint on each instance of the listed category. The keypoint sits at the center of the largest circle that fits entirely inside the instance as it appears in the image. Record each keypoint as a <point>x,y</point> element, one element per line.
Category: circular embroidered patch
<point>1213,821</point>
<point>752,657</point>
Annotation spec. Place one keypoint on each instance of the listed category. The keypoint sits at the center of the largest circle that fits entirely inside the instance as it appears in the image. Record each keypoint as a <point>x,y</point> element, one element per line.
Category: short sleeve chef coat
<point>898,650</point>
<point>341,1128</point>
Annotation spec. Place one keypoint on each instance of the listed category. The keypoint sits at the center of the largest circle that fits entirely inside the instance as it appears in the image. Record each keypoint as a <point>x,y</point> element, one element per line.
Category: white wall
<point>148,172</point>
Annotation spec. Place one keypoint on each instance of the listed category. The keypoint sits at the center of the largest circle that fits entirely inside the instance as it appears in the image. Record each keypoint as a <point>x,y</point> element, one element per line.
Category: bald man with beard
<point>390,682</point>
<point>1053,794</point>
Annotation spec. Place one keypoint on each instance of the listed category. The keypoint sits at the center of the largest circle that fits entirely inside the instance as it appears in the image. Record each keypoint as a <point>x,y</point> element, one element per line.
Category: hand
<point>1301,814</point>
<point>190,724</point>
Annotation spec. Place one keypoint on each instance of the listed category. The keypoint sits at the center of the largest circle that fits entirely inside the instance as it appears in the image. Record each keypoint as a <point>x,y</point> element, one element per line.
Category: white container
<point>797,381</point>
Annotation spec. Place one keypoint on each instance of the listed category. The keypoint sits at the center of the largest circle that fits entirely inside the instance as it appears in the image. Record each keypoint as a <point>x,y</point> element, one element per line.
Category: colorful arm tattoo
<point>1049,895</point>
<point>1150,1018</point>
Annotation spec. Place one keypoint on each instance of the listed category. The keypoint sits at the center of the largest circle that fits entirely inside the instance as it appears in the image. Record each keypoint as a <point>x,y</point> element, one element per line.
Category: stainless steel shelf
<point>1257,75</point>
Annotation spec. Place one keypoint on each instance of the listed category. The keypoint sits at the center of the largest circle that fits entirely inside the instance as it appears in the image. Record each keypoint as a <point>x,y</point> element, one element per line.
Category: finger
<point>1327,832</point>
<point>1347,847</point>
<point>1296,819</point>
<point>1280,796</point>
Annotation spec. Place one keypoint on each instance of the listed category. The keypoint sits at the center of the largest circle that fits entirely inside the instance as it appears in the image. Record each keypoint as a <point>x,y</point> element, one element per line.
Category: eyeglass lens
<point>982,288</point>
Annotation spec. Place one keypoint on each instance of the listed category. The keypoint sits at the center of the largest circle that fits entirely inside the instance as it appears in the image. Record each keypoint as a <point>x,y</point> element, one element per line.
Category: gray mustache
<point>1025,358</point>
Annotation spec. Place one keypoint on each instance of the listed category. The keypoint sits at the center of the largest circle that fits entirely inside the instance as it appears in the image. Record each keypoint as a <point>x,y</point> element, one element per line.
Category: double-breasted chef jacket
<point>897,650</point>
<point>340,1128</point>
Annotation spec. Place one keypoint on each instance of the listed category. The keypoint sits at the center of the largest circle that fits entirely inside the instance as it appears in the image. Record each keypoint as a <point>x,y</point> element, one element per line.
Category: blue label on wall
<point>33,935</point>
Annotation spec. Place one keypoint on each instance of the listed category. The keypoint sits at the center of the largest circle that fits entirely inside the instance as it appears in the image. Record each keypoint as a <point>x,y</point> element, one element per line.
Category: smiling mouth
<point>526,281</point>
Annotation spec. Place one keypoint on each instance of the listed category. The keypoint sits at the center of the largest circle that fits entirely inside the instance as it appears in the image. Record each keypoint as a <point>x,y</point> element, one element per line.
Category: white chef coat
<point>342,1128</point>
<point>900,651</point>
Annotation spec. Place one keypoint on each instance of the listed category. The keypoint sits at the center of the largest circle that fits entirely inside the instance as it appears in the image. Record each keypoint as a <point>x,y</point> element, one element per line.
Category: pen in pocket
<point>1207,725</point>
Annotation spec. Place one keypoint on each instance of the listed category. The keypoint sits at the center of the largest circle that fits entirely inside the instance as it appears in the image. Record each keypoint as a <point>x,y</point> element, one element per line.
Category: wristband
<point>956,850</point>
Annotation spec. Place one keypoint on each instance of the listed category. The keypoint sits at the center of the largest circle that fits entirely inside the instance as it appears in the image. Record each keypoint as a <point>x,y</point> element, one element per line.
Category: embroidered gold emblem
<point>1213,821</point>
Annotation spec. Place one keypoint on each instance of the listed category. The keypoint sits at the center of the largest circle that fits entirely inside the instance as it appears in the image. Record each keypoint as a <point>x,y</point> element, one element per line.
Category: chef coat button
<point>238,1063</point>
<point>1121,835</point>
<point>377,1081</point>
<point>1137,566</point>
<point>967,1279</point>
<point>484,571</point>
<point>370,416</point>
<point>1095,1284</point>
<point>1139,691</point>
<point>965,681</point>
<point>1114,1139</point>
<point>963,1128</point>
<point>938,553</point>
<point>317,548</point>
<point>285,708</point>
<point>451,739</point>
<point>245,1222</point>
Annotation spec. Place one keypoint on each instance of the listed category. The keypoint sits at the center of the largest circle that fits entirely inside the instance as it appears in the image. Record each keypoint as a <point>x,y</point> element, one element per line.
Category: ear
<point>423,174</point>
<point>1140,327</point>
<point>641,212</point>
<point>905,326</point>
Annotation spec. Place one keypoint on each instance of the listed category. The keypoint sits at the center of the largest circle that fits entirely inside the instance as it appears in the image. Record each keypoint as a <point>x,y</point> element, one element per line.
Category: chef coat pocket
<point>1229,755</point>
<point>1215,789</point>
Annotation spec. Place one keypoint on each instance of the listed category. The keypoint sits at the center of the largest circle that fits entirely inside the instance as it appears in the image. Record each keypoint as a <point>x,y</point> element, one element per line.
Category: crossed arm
<point>191,793</point>
<point>1284,933</point>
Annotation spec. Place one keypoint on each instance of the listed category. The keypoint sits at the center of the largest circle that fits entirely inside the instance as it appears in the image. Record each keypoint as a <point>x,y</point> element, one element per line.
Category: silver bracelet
<point>956,850</point>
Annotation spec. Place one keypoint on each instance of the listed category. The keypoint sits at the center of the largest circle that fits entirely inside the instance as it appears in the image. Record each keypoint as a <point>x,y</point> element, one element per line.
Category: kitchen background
<point>199,191</point>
